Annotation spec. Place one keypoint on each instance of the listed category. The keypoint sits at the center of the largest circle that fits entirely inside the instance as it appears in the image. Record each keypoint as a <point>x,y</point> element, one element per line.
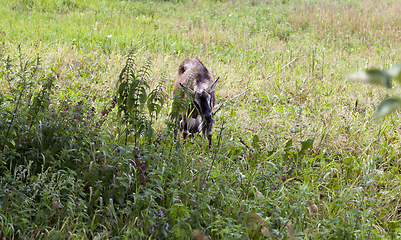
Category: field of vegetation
<point>87,148</point>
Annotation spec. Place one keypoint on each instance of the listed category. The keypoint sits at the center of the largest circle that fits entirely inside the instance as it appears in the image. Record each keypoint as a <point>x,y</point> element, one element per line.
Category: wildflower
<point>166,226</point>
<point>105,112</point>
<point>142,169</point>
<point>142,180</point>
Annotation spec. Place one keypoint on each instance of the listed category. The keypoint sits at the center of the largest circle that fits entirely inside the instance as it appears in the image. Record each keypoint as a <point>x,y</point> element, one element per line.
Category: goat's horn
<point>214,85</point>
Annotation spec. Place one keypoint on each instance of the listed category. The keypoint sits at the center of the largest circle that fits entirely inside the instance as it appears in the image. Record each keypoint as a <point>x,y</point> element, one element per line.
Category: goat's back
<point>192,73</point>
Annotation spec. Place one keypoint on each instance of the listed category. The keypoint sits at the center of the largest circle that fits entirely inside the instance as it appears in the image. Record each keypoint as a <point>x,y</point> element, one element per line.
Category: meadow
<point>295,154</point>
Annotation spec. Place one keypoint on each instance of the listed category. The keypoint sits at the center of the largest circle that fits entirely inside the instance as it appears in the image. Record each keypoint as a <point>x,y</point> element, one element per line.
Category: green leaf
<point>255,142</point>
<point>395,72</point>
<point>386,107</point>
<point>151,107</point>
<point>288,145</point>
<point>305,145</point>
<point>143,96</point>
<point>373,76</point>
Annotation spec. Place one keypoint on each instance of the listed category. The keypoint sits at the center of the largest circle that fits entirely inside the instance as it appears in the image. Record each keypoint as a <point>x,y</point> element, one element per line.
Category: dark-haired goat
<point>196,80</point>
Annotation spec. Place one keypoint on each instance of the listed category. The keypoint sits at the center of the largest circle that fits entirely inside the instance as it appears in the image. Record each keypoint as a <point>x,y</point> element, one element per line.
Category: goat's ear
<point>197,101</point>
<point>214,85</point>
<point>187,89</point>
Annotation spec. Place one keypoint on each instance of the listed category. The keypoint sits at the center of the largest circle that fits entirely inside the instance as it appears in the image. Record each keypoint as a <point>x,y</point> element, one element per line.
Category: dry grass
<point>369,21</point>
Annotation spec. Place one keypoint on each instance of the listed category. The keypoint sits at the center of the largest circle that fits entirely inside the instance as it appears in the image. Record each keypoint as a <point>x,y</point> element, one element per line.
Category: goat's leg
<point>177,123</point>
<point>207,131</point>
<point>209,135</point>
<point>194,123</point>
<point>184,126</point>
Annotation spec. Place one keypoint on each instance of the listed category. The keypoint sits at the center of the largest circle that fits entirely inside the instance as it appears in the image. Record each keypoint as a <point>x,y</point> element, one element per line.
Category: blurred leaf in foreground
<point>395,72</point>
<point>386,107</point>
<point>373,76</point>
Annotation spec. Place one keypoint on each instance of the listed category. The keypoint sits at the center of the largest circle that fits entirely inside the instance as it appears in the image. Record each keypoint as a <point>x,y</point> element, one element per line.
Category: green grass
<point>292,57</point>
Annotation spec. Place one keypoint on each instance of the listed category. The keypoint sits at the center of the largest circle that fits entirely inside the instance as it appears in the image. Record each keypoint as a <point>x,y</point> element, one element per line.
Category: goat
<point>199,83</point>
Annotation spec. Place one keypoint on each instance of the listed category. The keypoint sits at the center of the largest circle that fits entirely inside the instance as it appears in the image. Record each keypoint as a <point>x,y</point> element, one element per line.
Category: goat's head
<point>203,100</point>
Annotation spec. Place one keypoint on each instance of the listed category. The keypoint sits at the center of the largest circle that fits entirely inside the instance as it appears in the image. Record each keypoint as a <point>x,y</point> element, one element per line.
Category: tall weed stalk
<point>22,92</point>
<point>137,107</point>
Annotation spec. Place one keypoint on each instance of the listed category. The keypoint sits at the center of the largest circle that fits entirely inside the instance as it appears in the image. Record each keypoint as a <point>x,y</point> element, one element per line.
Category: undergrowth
<point>63,177</point>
